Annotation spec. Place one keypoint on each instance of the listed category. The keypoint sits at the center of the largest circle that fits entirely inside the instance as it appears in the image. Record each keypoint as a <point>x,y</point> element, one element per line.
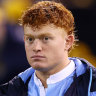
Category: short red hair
<point>46,12</point>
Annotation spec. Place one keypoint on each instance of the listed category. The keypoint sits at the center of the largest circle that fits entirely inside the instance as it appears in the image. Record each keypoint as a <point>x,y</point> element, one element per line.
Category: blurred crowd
<point>12,53</point>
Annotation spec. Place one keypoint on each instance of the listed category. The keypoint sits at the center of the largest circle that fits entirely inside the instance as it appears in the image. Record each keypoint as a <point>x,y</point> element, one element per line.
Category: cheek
<point>28,51</point>
<point>56,52</point>
<point>58,47</point>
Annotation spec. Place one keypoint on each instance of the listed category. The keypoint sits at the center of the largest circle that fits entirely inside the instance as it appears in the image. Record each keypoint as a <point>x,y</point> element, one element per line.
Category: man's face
<point>46,47</point>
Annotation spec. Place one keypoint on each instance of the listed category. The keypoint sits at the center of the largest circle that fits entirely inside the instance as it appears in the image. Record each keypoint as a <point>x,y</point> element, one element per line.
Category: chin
<point>41,69</point>
<point>38,66</point>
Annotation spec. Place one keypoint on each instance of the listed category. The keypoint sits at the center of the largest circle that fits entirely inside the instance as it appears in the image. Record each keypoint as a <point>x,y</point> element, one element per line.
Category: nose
<point>37,45</point>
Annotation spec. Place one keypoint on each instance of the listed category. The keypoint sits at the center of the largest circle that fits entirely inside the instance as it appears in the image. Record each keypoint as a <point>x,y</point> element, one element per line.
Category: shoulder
<point>17,86</point>
<point>26,74</point>
<point>87,80</point>
<point>12,87</point>
<point>93,93</point>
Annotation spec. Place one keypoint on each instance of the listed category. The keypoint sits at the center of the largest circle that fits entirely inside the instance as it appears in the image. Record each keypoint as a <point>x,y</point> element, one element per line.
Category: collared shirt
<point>56,89</point>
<point>57,83</point>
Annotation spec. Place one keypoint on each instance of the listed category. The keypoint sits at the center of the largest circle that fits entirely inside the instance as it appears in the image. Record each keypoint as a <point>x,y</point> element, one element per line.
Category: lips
<point>37,57</point>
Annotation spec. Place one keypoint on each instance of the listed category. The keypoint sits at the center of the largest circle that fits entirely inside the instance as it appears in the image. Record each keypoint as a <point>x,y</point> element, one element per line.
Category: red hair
<point>46,12</point>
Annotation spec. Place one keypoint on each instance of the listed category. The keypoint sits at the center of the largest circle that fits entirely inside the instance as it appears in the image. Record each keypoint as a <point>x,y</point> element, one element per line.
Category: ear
<point>69,42</point>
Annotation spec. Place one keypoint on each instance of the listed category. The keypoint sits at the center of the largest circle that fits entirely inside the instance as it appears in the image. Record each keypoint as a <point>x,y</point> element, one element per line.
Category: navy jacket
<point>82,85</point>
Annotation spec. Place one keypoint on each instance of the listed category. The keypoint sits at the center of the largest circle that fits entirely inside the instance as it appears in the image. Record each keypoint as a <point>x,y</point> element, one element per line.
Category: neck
<point>44,75</point>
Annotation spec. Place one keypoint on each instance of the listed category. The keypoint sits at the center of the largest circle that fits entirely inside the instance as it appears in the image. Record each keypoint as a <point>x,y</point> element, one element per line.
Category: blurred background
<point>12,53</point>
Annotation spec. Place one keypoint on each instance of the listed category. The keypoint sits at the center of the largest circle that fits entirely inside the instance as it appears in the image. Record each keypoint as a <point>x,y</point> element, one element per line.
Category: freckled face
<point>45,47</point>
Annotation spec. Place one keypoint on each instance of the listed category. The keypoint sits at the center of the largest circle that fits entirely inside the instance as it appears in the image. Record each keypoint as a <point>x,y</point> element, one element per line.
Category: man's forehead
<point>43,26</point>
<point>31,31</point>
<point>38,34</point>
<point>44,30</point>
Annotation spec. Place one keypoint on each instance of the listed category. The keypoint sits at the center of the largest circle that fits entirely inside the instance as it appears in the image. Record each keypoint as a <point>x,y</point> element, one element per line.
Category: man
<point>49,36</point>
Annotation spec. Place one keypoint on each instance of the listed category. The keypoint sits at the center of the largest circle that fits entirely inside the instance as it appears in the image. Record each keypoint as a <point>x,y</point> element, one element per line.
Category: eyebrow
<point>39,36</point>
